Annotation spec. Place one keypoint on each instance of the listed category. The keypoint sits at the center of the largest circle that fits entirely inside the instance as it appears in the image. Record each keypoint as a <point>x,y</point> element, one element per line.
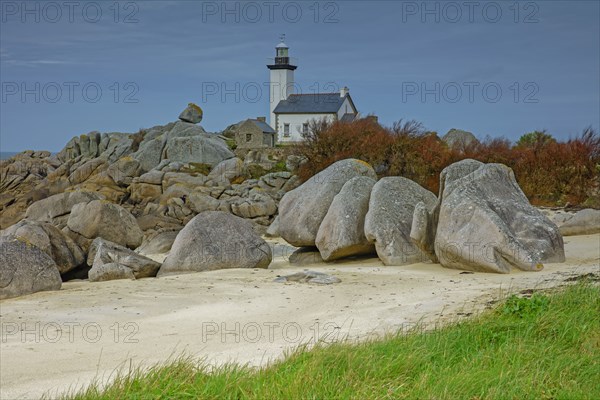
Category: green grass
<point>543,347</point>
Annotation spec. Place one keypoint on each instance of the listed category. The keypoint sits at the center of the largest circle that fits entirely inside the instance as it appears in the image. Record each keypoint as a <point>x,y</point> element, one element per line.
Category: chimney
<point>261,119</point>
<point>344,91</point>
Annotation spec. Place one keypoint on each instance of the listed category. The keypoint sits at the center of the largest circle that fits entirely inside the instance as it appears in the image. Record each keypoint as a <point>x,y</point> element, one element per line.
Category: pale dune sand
<point>71,336</point>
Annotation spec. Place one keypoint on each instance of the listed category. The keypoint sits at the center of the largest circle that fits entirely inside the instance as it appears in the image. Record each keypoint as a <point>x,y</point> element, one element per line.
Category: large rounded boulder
<point>342,232</point>
<point>25,269</point>
<point>302,210</point>
<point>486,223</point>
<point>216,240</point>
<point>62,249</point>
<point>109,221</point>
<point>389,219</point>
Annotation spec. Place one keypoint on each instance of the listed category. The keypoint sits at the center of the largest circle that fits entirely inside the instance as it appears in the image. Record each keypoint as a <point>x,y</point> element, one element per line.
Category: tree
<point>535,139</point>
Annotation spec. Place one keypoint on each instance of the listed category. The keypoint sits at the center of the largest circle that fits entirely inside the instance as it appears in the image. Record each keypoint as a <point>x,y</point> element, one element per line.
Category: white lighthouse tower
<point>282,78</point>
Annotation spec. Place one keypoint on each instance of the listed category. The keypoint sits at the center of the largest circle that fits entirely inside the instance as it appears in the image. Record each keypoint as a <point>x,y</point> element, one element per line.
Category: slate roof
<point>311,103</point>
<point>266,128</point>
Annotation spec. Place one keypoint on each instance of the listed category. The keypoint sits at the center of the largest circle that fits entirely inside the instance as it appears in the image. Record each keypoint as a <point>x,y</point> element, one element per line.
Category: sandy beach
<point>55,341</point>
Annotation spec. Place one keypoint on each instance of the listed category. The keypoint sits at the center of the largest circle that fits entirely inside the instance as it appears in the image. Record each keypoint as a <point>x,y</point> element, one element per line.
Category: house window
<point>248,137</point>
<point>305,128</point>
<point>286,130</point>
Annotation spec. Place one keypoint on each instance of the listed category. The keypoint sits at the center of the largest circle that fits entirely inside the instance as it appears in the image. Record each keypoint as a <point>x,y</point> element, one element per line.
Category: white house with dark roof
<point>291,113</point>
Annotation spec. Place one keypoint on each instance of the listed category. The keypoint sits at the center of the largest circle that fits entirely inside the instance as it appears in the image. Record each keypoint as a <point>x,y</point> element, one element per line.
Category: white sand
<point>70,336</point>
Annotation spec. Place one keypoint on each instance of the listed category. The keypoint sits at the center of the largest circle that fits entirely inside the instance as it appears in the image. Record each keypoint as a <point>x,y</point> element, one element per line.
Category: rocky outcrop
<point>22,182</point>
<point>56,209</point>
<point>389,219</point>
<point>216,240</point>
<point>485,222</point>
<point>180,142</point>
<point>25,269</point>
<point>124,170</point>
<point>342,231</point>
<point>109,221</point>
<point>110,146</point>
<point>64,252</point>
<point>302,210</point>
<point>147,187</point>
<point>110,261</point>
<point>190,143</point>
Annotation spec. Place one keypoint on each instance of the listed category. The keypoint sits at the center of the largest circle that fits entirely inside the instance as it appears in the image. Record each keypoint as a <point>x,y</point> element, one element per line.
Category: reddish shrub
<point>549,172</point>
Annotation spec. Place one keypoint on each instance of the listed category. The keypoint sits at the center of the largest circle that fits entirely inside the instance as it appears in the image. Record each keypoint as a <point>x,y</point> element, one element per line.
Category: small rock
<point>309,277</point>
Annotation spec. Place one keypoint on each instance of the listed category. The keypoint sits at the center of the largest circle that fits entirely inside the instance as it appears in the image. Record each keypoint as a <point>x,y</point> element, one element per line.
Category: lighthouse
<point>281,83</point>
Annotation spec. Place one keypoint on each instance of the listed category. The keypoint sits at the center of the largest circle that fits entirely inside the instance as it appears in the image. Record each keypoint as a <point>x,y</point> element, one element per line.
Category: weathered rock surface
<point>150,153</point>
<point>158,243</point>
<point>293,162</point>
<point>487,224</point>
<point>233,170</point>
<point>302,210</point>
<point>255,205</point>
<point>110,272</point>
<point>22,180</point>
<point>305,256</point>
<point>58,205</point>
<point>216,240</point>
<point>124,170</point>
<point>111,261</point>
<point>190,143</point>
<point>389,219</point>
<point>64,252</point>
<point>584,222</point>
<point>342,232</point>
<point>25,269</point>
<point>274,181</point>
<point>200,202</point>
<point>109,221</point>
<point>257,157</point>
<point>273,229</point>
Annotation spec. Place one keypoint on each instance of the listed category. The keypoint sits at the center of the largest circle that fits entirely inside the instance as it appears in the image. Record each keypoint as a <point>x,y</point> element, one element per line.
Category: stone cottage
<point>255,134</point>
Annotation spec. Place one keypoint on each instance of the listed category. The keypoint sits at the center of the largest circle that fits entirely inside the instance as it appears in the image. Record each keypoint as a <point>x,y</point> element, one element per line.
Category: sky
<point>499,68</point>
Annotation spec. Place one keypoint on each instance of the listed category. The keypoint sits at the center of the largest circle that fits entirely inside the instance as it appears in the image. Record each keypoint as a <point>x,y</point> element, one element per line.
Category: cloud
<point>34,63</point>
